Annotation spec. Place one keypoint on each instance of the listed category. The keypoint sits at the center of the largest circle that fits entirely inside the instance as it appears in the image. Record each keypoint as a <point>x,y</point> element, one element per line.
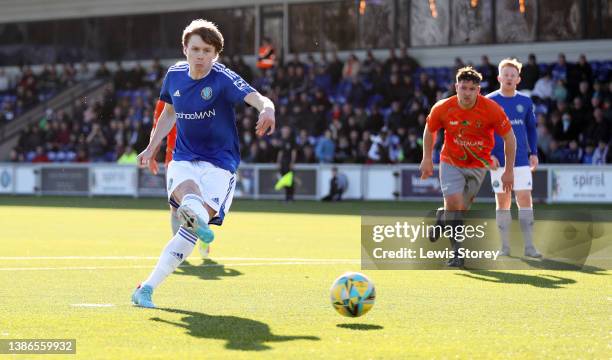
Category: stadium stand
<point>353,111</point>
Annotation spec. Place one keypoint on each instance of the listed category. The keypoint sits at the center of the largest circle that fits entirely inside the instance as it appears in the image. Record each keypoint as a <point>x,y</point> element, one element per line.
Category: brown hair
<point>512,62</point>
<point>207,30</point>
<point>468,73</point>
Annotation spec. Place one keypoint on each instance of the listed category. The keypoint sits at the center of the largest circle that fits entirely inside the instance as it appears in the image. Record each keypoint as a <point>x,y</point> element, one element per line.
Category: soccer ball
<point>352,294</point>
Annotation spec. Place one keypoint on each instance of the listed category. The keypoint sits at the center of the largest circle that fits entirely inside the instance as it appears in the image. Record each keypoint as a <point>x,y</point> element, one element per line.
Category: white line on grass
<point>203,265</point>
<point>92,305</point>
<point>21,258</point>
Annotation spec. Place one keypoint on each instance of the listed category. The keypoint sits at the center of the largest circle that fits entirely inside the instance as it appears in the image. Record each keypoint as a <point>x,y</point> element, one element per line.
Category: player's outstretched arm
<point>427,161</point>
<point>509,154</point>
<point>267,122</point>
<point>164,125</point>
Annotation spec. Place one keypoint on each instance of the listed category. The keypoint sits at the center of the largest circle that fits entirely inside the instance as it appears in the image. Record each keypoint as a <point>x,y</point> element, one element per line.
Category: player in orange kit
<point>204,248</point>
<point>469,121</point>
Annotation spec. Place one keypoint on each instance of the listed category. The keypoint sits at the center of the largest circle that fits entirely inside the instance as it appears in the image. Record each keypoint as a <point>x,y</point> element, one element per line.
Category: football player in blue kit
<point>519,109</point>
<point>199,95</point>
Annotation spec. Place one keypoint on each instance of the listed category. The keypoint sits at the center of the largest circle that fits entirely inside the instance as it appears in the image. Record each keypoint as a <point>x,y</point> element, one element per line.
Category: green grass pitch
<point>69,265</point>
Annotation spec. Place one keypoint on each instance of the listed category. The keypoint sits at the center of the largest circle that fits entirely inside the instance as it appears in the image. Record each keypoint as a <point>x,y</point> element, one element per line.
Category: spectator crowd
<point>331,111</point>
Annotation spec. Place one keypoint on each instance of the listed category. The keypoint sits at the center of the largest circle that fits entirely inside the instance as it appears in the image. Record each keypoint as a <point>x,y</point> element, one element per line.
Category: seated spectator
<point>380,148</point>
<point>598,129</point>
<point>306,155</point>
<point>408,64</point>
<point>559,69</point>
<point>600,155</point>
<point>557,153</point>
<point>325,148</point>
<point>412,148</point>
<point>395,117</point>
<point>559,91</point>
<point>351,68</point>
<point>529,74</point>
<point>567,129</point>
<point>40,156</point>
<point>16,157</point>
<point>4,82</point>
<point>587,155</point>
<point>574,154</point>
<point>489,74</point>
<point>343,151</point>
<point>543,89</point>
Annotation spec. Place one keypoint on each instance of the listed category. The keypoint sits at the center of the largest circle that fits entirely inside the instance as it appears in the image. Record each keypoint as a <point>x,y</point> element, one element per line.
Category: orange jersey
<point>468,134</point>
<point>171,141</point>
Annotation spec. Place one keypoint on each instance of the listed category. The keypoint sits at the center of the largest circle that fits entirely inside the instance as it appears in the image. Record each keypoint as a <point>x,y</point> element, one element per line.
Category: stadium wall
<point>551,184</point>
<point>583,33</point>
<point>33,10</point>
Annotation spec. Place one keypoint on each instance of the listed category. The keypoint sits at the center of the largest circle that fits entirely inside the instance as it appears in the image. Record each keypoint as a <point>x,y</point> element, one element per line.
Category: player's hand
<point>507,179</point>
<point>495,162</point>
<point>153,166</point>
<point>426,168</point>
<point>533,162</point>
<point>145,157</point>
<point>266,123</point>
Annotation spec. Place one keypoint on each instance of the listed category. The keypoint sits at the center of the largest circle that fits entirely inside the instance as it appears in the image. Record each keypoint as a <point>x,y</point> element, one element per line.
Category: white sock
<point>526,221</point>
<point>174,222</point>
<point>504,220</point>
<point>177,250</point>
<point>196,203</point>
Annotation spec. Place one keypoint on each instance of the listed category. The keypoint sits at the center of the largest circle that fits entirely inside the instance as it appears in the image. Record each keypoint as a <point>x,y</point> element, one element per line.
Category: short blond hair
<point>512,62</point>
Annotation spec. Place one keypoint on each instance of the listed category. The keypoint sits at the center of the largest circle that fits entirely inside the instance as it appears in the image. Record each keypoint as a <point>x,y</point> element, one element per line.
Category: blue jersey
<point>519,109</point>
<point>205,119</point>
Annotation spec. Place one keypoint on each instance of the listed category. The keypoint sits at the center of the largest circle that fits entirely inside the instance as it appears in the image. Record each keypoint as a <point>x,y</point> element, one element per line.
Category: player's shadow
<point>541,281</point>
<point>208,270</point>
<point>239,333</point>
<point>362,327</point>
<point>549,264</point>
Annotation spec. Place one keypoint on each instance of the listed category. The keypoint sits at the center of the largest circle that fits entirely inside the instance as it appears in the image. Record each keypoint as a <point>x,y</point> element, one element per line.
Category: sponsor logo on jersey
<point>206,93</point>
<point>516,122</point>
<point>453,122</point>
<point>468,142</point>
<point>241,84</point>
<point>196,116</point>
<point>177,93</point>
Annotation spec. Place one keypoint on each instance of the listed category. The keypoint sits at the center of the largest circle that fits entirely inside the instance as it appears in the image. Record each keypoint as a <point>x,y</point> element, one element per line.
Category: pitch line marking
<point>21,258</point>
<point>92,305</point>
<point>203,265</point>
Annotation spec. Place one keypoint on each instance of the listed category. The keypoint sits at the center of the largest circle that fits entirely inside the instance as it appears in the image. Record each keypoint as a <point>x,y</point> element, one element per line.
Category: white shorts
<point>523,179</point>
<point>216,185</point>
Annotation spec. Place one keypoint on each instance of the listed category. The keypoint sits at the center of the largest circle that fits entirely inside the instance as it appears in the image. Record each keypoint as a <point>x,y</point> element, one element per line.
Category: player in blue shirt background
<point>519,109</point>
<point>200,95</point>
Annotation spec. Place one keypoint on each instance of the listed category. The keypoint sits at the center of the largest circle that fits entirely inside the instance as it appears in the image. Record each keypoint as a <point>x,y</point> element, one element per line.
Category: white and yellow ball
<point>353,294</point>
